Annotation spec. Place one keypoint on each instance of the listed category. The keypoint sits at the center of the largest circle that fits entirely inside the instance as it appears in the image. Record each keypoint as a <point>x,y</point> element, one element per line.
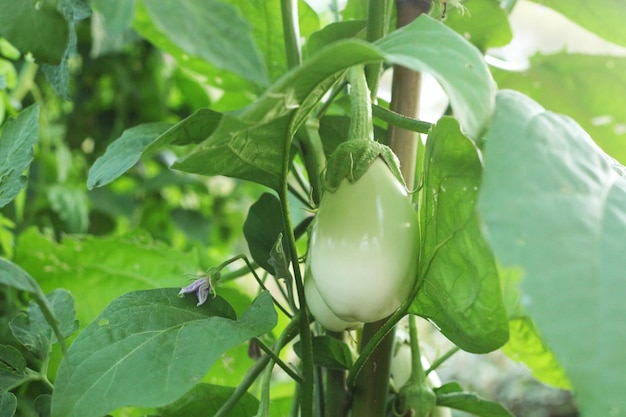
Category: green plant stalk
<point>377,18</point>
<point>288,334</point>
<point>436,364</point>
<point>291,32</point>
<point>25,81</point>
<point>361,127</point>
<point>417,370</point>
<point>277,360</point>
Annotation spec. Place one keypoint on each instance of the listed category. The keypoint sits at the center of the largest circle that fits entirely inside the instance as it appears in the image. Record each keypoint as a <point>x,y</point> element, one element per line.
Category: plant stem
<point>25,81</point>
<point>405,92</point>
<point>291,32</point>
<point>401,121</point>
<point>372,383</point>
<point>442,359</point>
<point>313,155</point>
<point>417,370</point>
<point>274,356</point>
<point>361,127</point>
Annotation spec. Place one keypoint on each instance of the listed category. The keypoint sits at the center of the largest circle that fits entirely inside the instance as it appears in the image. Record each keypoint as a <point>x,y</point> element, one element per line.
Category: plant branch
<point>377,19</point>
<point>401,121</point>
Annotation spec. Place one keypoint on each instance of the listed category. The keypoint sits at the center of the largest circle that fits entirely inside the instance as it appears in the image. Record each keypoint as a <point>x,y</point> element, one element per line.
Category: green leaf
<point>205,400</point>
<point>588,88</point>
<point>36,27</point>
<point>12,368</point>
<point>148,348</point>
<point>251,144</point>
<point>605,20</point>
<point>32,330</point>
<point>124,153</point>
<point>484,24</point>
<point>332,33</point>
<point>8,404</point>
<point>16,152</point>
<point>213,31</point>
<point>328,352</point>
<point>460,288</point>
<point>553,205</point>
<point>262,228</point>
<point>428,45</point>
<point>452,395</point>
<point>98,269</point>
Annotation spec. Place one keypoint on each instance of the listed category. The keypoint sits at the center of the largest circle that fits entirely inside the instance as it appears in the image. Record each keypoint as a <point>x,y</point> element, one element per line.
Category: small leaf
<point>14,276</point>
<point>16,152</point>
<point>460,289</point>
<point>18,21</point>
<point>42,405</point>
<point>124,153</point>
<point>262,228</point>
<point>12,368</point>
<point>8,404</point>
<point>553,205</point>
<point>148,348</point>
<point>205,400</point>
<point>448,395</point>
<point>328,352</point>
<point>33,331</point>
<point>332,33</point>
<point>279,260</point>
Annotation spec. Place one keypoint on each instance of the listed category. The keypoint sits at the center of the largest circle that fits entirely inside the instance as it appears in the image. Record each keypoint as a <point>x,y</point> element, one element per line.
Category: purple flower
<point>202,288</point>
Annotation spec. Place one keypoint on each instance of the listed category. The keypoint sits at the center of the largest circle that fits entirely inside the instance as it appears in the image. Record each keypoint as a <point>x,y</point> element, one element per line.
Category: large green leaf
<point>98,269</point>
<point>211,30</point>
<point>554,205</point>
<point>585,87</point>
<point>428,45</point>
<point>460,287</point>
<point>16,152</point>
<point>36,27</point>
<point>605,19</point>
<point>251,145</point>
<point>148,348</point>
<point>12,369</point>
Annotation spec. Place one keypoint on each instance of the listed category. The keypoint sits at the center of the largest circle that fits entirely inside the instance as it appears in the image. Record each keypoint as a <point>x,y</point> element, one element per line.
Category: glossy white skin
<point>363,247</point>
<point>321,312</point>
